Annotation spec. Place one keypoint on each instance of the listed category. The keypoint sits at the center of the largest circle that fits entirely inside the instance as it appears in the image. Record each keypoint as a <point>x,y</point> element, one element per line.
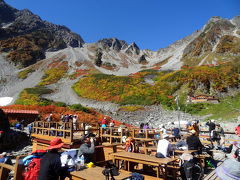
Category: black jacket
<point>211,126</point>
<point>50,167</point>
<point>194,143</point>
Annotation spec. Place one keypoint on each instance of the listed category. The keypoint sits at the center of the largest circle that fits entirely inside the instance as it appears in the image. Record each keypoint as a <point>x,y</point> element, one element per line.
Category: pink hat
<point>56,143</point>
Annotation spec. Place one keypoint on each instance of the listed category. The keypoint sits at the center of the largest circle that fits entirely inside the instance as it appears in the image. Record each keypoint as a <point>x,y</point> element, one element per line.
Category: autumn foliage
<point>44,111</point>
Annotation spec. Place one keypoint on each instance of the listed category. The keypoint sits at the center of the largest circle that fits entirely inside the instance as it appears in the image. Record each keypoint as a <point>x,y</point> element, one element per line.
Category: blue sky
<point>152,24</point>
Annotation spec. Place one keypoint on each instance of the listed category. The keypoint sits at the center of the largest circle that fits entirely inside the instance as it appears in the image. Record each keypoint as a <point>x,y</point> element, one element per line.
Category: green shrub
<point>79,107</point>
<point>60,104</point>
<point>24,74</point>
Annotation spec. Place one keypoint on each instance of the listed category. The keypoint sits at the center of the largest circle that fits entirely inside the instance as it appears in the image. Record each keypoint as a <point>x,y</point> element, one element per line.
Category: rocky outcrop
<point>142,59</point>
<point>133,49</point>
<point>26,37</point>
<point>18,22</point>
<point>209,37</point>
<point>112,43</point>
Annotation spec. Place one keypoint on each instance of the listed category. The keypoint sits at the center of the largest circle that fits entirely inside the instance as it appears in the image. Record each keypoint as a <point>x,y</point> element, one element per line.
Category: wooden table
<point>177,151</point>
<point>95,173</point>
<point>160,163</point>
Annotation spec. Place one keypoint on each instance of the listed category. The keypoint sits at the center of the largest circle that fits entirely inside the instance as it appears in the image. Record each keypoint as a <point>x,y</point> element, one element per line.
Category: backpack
<point>192,170</point>
<point>33,169</point>
<point>110,170</point>
<point>136,176</point>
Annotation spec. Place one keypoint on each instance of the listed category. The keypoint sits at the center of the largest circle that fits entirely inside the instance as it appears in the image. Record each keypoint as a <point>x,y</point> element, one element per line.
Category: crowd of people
<point>53,168</point>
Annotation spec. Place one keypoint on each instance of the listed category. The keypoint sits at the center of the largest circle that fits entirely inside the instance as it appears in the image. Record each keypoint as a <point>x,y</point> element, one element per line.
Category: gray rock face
<point>133,49</point>
<point>215,28</point>
<point>14,22</point>
<point>113,43</point>
<point>236,21</point>
<point>142,59</point>
<point>7,13</point>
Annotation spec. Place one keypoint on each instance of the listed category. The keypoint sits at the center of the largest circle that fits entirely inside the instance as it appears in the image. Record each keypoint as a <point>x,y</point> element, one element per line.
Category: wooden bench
<point>5,169</point>
<point>128,157</point>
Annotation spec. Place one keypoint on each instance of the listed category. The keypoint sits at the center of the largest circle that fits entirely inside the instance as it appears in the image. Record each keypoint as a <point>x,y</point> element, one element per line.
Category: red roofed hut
<point>27,115</point>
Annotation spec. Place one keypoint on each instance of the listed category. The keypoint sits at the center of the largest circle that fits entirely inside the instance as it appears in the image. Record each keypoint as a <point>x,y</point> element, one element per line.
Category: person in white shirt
<point>164,147</point>
<point>163,129</point>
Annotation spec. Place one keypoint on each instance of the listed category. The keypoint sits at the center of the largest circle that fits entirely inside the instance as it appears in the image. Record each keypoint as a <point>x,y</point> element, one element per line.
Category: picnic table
<point>160,163</point>
<point>95,173</point>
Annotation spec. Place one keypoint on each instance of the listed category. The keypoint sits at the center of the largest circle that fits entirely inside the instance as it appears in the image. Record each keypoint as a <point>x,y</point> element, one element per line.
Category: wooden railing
<point>112,133</point>
<point>68,131</point>
<point>17,168</point>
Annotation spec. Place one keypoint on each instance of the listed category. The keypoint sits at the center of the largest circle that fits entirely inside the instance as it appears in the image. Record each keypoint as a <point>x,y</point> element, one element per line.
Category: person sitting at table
<point>182,144</point>
<point>50,166</point>
<point>87,149</point>
<point>176,133</point>
<point>164,148</point>
<point>163,130</point>
<point>194,142</point>
<point>194,126</point>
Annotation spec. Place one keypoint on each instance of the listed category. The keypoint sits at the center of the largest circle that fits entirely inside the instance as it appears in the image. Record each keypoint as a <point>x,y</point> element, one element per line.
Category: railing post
<point>111,135</point>
<point>84,126</point>
<point>64,128</point>
<point>18,169</point>
<point>146,133</point>
<point>71,132</point>
<point>121,135</point>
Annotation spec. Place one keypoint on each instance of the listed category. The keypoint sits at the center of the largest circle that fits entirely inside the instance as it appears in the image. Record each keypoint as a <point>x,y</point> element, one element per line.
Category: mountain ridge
<point>36,55</point>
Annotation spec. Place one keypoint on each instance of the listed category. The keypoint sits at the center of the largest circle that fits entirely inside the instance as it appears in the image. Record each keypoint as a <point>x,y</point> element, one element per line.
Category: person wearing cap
<point>87,149</point>
<point>194,142</point>
<point>164,148</point>
<point>230,169</point>
<point>50,166</point>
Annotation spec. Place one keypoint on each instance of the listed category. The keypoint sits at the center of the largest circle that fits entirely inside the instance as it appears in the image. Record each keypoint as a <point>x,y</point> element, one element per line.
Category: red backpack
<point>32,169</point>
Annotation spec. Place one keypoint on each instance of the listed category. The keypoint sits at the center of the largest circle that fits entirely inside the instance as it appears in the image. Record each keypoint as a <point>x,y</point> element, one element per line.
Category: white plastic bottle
<point>82,160</point>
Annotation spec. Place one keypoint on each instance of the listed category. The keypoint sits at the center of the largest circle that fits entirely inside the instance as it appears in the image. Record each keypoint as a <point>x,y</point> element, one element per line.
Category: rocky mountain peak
<point>218,23</point>
<point>113,43</point>
<point>133,49</point>
<point>236,21</point>
<point>7,13</point>
<point>24,21</point>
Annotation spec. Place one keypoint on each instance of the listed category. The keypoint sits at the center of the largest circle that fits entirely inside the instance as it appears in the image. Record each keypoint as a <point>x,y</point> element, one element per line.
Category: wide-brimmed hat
<point>230,169</point>
<point>56,143</point>
<point>165,136</point>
